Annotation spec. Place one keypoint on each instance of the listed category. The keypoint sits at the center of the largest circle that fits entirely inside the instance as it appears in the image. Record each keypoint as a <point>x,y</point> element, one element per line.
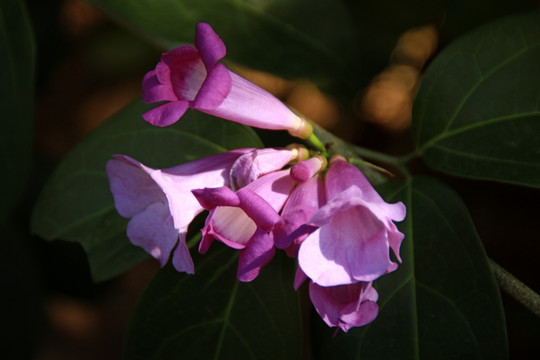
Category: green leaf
<point>16,101</point>
<point>442,302</point>
<point>258,34</point>
<point>76,204</point>
<point>477,112</point>
<point>211,315</point>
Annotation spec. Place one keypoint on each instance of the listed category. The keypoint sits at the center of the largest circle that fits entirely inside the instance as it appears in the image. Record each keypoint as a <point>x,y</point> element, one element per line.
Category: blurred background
<point>88,67</point>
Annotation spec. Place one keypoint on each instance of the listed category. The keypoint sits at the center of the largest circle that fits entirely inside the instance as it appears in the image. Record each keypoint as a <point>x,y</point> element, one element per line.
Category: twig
<point>515,288</point>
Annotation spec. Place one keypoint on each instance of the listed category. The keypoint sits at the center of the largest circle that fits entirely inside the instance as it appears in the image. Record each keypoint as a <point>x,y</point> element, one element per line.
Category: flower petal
<point>154,91</point>
<point>343,175</point>
<point>232,226</point>
<point>259,251</point>
<point>214,89</point>
<point>395,238</point>
<point>163,71</point>
<point>131,185</point>
<point>209,44</point>
<point>181,258</point>
<point>166,114</point>
<point>153,230</point>
<point>299,278</point>
<point>274,188</point>
<point>352,247</point>
<point>260,211</point>
<point>184,70</point>
<point>292,228</point>
<point>209,198</point>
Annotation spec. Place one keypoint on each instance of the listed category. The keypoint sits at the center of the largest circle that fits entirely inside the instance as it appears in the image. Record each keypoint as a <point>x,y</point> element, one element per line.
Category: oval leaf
<point>262,35</point>
<point>442,302</point>
<point>477,112</point>
<point>211,315</point>
<point>77,205</point>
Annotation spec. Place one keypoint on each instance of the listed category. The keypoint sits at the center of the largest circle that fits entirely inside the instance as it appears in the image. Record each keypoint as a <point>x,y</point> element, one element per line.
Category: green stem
<point>515,288</point>
<point>314,140</point>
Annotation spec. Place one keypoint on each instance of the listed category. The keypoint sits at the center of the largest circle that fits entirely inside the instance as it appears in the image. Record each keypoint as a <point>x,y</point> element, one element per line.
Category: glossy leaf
<point>442,302</point>
<point>477,112</point>
<point>77,205</point>
<point>16,101</point>
<point>257,34</point>
<point>211,315</point>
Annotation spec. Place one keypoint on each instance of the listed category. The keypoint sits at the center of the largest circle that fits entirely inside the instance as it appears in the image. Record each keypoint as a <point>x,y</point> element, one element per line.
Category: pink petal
<point>343,175</point>
<point>305,200</point>
<point>131,185</point>
<point>185,69</point>
<point>181,258</point>
<point>166,114</point>
<point>274,188</point>
<point>395,238</point>
<point>210,198</point>
<point>260,211</point>
<point>352,247</point>
<point>209,44</point>
<point>154,91</point>
<point>214,89</point>
<point>299,278</point>
<point>259,251</point>
<point>207,234</point>
<point>231,226</point>
<point>153,230</point>
<point>163,71</point>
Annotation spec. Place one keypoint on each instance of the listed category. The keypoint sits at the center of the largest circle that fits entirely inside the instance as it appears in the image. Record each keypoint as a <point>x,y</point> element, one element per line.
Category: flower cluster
<point>323,212</point>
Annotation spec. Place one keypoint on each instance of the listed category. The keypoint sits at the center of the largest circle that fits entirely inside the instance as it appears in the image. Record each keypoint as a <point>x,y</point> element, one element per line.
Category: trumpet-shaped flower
<point>244,220</point>
<point>159,202</point>
<point>192,77</point>
<point>355,231</point>
<point>345,306</point>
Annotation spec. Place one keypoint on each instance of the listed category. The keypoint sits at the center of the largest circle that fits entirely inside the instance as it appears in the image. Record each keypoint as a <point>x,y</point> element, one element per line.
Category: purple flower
<point>345,306</point>
<point>245,219</point>
<point>191,77</point>
<point>355,231</point>
<point>160,203</point>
